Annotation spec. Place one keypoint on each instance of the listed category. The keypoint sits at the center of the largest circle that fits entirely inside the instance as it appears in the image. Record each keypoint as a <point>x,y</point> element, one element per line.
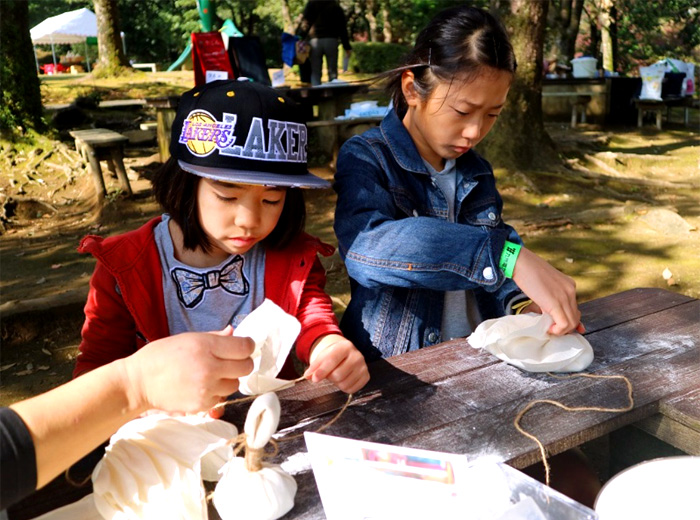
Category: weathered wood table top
<point>453,398</point>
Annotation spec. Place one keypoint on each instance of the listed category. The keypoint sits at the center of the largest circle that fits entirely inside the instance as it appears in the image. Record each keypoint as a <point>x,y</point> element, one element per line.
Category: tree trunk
<point>594,40</point>
<point>372,21</point>
<point>519,139</point>
<point>20,100</point>
<point>112,61</point>
<point>606,47</point>
<point>388,33</point>
<point>287,17</point>
<point>565,19</point>
<point>613,38</point>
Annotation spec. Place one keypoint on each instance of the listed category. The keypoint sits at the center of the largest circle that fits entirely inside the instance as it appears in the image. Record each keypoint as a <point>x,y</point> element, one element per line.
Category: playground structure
<point>206,17</point>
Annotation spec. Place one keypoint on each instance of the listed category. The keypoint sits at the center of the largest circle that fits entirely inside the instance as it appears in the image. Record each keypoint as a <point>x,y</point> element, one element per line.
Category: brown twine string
<point>290,384</point>
<point>323,426</point>
<point>564,407</point>
<point>255,456</point>
<point>76,483</point>
<point>284,387</point>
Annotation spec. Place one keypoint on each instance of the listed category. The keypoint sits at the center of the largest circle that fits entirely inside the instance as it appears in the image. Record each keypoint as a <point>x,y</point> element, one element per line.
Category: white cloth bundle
<point>274,332</point>
<point>152,468</point>
<point>263,494</point>
<point>522,341</point>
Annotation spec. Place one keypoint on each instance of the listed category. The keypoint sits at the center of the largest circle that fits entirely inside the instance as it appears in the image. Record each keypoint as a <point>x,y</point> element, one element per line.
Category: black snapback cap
<point>242,132</point>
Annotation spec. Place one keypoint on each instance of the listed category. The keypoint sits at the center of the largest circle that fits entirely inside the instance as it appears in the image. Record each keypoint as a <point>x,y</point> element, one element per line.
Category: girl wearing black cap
<point>232,236</point>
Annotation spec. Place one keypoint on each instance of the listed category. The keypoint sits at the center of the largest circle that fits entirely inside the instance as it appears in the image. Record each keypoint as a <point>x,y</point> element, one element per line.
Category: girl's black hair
<point>456,44</point>
<point>176,192</point>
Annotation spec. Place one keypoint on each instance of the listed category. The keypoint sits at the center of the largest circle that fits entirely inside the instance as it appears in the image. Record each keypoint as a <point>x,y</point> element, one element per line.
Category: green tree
<point>643,32</point>
<point>20,104</point>
<point>563,21</point>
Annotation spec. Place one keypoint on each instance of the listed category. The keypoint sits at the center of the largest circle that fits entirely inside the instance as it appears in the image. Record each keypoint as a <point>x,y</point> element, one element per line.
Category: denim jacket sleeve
<point>383,244</point>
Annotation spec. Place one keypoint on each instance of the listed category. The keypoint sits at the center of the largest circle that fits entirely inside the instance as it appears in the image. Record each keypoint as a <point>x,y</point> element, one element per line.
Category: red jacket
<point>125,308</point>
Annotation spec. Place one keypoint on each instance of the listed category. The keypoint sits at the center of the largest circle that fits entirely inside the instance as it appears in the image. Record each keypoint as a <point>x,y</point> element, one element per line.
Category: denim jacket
<point>401,251</point>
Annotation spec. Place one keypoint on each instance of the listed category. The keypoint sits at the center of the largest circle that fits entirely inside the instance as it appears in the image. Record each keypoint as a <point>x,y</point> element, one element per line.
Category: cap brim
<point>309,180</point>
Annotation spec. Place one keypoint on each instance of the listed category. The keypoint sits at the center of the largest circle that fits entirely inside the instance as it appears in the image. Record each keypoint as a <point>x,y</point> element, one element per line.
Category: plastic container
<point>584,67</point>
<point>651,490</point>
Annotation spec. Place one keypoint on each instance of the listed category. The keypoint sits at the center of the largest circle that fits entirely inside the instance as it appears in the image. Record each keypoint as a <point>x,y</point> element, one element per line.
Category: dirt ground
<point>623,213</point>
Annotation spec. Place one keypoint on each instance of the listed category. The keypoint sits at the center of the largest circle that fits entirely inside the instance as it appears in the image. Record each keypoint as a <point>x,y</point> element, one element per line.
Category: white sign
<point>278,78</point>
<point>213,75</point>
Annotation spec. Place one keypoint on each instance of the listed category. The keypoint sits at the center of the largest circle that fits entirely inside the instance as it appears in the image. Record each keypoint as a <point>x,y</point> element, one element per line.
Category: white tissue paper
<point>522,341</point>
<point>152,468</point>
<point>274,332</point>
<point>266,494</point>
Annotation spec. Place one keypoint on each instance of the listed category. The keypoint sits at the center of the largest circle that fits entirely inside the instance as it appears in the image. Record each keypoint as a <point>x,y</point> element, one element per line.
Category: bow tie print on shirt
<point>191,285</point>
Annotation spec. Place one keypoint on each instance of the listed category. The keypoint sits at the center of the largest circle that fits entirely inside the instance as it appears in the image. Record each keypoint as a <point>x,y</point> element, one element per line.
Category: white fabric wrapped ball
<point>266,493</point>
<point>522,341</point>
<point>152,468</point>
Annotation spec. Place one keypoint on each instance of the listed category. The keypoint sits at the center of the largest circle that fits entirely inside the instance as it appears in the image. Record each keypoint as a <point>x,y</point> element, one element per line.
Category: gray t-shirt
<point>460,315</point>
<point>207,299</point>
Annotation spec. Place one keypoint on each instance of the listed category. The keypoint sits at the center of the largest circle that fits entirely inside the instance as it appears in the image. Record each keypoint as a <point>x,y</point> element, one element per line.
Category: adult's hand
<point>551,290</point>
<point>188,372</point>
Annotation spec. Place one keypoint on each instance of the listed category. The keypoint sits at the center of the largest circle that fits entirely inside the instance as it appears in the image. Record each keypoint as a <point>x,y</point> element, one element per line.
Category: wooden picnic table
<point>453,398</point>
<point>331,99</point>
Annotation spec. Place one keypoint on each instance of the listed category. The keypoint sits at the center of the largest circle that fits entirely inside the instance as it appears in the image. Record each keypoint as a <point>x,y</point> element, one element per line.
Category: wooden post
<point>96,172</point>
<point>118,162</point>
<point>166,109</point>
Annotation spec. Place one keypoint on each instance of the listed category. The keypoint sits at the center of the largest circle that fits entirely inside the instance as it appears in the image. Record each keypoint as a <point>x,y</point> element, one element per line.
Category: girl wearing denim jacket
<point>418,217</point>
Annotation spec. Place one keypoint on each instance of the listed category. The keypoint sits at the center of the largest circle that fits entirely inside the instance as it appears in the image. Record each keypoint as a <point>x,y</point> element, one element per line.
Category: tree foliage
<point>645,31</point>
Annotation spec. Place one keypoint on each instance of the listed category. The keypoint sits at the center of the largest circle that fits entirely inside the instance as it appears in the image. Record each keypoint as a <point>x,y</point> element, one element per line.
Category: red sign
<point>209,54</point>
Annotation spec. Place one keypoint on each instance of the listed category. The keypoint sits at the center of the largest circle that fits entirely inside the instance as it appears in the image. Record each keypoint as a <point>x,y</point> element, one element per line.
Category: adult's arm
<point>189,372</point>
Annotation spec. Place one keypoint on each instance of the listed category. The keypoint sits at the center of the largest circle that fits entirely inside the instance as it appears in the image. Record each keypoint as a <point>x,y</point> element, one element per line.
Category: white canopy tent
<point>70,27</point>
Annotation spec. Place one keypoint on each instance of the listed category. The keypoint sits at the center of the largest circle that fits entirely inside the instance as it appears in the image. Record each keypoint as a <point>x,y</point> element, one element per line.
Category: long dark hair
<point>457,44</point>
<point>176,192</point>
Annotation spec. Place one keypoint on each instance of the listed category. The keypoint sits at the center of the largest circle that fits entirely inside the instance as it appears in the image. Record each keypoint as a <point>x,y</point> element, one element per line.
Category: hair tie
<point>430,56</point>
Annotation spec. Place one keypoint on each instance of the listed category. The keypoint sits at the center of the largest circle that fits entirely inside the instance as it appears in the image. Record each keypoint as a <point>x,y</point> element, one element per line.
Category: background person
<point>323,22</point>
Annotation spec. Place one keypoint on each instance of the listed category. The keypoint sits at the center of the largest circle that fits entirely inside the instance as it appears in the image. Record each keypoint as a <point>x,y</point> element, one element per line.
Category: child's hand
<point>551,290</point>
<point>533,307</point>
<point>336,359</point>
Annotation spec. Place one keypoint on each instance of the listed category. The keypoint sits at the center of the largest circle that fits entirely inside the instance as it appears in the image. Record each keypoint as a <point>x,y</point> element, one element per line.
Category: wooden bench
<point>579,103</point>
<point>649,105</point>
<point>687,103</point>
<point>101,144</point>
